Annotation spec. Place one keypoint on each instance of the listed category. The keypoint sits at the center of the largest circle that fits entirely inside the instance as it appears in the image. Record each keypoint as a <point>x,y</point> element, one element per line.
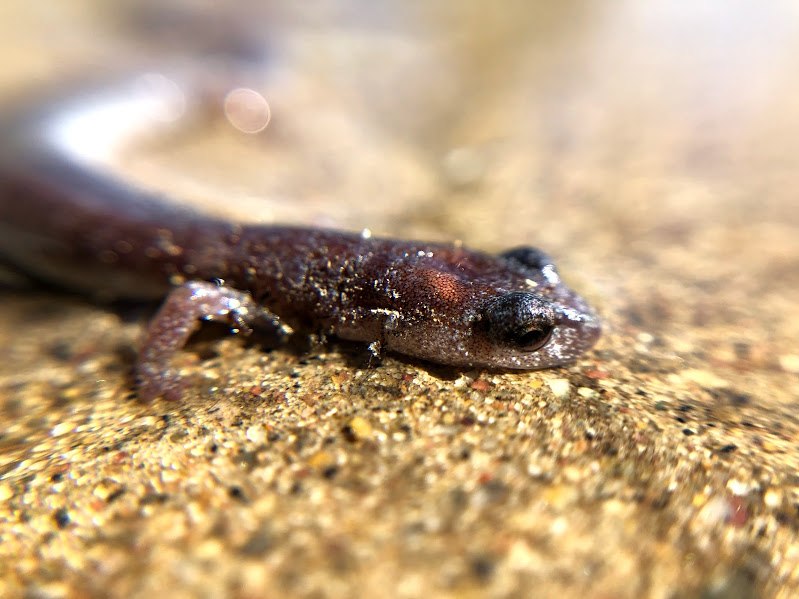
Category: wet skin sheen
<point>66,218</point>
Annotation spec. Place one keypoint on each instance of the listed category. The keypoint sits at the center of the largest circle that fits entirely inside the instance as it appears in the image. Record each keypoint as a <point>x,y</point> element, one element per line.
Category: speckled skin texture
<point>432,301</point>
<point>66,222</point>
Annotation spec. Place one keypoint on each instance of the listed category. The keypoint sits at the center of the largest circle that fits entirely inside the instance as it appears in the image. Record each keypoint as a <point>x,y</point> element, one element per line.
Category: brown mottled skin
<point>70,222</point>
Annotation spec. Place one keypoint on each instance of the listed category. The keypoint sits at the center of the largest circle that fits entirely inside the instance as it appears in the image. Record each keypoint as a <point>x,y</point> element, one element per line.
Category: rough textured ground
<point>650,148</point>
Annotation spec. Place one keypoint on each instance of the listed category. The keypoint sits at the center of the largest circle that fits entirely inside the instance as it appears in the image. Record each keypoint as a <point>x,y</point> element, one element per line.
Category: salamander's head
<point>455,306</point>
<point>526,330</point>
<point>539,324</point>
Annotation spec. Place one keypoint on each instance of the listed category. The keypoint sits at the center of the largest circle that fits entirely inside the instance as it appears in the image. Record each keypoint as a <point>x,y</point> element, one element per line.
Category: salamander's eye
<point>529,257</point>
<point>519,320</point>
<point>533,258</point>
<point>534,339</point>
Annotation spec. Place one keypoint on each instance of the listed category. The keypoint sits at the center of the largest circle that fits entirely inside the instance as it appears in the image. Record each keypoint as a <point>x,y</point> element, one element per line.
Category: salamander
<point>68,218</point>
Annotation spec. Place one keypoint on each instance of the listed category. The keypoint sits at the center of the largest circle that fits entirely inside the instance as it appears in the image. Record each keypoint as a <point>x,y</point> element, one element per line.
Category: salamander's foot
<point>167,385</point>
<point>373,355</point>
<point>177,319</point>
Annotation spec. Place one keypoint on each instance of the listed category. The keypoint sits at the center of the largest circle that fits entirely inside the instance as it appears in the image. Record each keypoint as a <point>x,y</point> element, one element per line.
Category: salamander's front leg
<point>177,319</point>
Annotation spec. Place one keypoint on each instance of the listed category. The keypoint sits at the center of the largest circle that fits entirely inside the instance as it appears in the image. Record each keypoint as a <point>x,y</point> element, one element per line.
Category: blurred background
<point>659,112</point>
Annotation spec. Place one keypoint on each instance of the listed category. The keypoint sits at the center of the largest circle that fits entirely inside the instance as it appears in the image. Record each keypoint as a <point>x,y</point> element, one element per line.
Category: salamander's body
<point>65,218</point>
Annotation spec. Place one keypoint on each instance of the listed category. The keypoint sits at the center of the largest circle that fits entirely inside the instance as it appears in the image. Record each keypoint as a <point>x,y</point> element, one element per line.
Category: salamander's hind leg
<point>178,318</point>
